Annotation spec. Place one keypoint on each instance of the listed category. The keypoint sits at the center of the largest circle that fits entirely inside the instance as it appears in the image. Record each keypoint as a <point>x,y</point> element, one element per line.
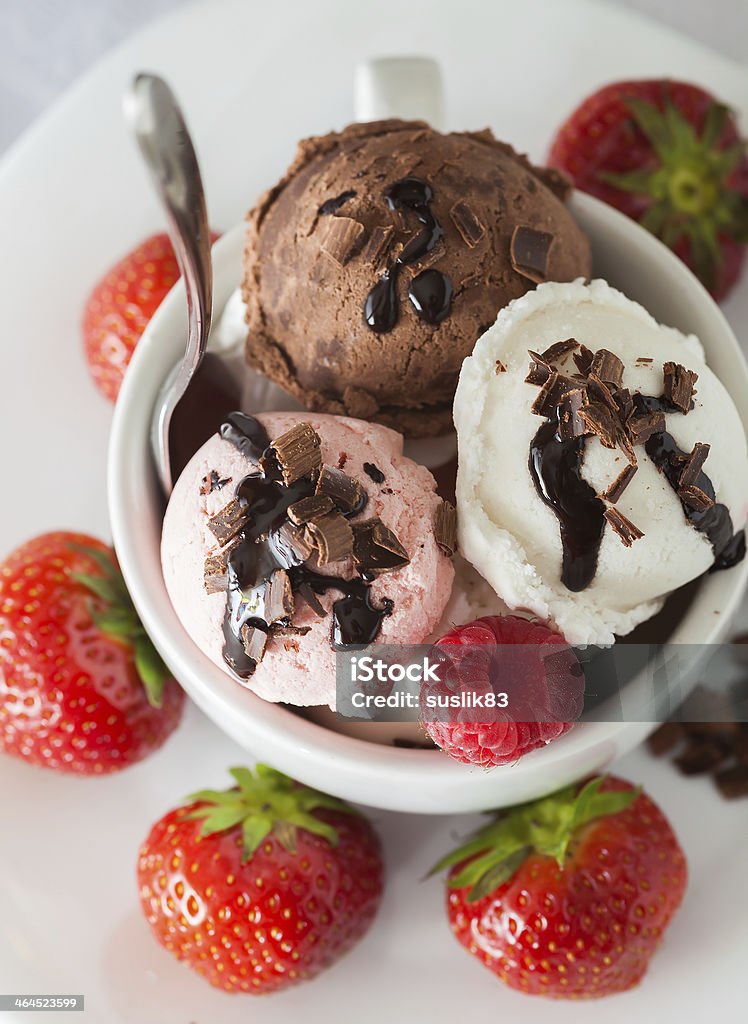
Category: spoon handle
<point>161,132</point>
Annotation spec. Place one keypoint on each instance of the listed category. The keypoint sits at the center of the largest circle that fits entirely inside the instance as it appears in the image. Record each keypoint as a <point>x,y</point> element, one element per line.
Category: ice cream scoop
<point>289,536</point>
<point>386,249</point>
<point>601,462</point>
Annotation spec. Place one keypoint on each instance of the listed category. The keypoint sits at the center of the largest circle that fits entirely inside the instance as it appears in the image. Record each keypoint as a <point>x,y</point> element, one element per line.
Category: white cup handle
<point>406,87</point>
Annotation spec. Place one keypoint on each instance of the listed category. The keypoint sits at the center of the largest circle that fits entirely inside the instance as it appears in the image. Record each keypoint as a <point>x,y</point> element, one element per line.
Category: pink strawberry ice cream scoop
<point>292,536</point>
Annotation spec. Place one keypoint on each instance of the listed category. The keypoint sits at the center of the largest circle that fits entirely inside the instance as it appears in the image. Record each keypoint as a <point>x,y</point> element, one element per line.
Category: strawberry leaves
<point>263,802</point>
<point>669,155</point>
<point>151,669</point>
<point>544,826</point>
<point>691,199</point>
<point>116,617</point>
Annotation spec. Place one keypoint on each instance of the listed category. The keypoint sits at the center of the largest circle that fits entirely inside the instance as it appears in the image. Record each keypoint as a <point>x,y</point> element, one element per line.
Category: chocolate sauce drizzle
<point>714,522</point>
<point>261,549</point>
<point>334,204</point>
<point>212,482</point>
<point>374,472</point>
<point>555,466</point>
<point>246,434</point>
<point>556,469</point>
<point>430,295</point>
<point>431,291</point>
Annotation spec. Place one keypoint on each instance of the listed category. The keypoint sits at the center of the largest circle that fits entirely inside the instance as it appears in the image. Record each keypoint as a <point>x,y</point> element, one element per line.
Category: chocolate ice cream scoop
<point>373,266</point>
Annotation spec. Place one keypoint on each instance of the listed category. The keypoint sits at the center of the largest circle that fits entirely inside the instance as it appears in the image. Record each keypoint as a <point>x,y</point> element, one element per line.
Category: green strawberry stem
<point>544,826</point>
<point>262,802</point>
<point>688,189</point>
<point>119,620</point>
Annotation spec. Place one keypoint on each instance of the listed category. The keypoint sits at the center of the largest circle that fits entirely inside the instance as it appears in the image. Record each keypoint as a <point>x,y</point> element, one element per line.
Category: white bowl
<point>398,779</point>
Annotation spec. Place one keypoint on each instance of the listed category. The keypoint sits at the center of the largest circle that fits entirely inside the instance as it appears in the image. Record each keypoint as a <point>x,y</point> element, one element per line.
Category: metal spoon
<point>165,143</point>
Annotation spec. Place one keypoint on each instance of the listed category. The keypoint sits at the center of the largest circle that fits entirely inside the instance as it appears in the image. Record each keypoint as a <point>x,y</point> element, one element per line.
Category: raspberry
<point>528,662</point>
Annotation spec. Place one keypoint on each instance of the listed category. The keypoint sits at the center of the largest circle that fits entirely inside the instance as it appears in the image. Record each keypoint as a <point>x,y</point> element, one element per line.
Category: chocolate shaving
<point>600,420</point>
<point>254,641</point>
<point>333,204</point>
<point>344,491</point>
<point>283,629</point>
<point>445,528</point>
<point>619,485</point>
<point>705,746</point>
<point>570,423</point>
<point>600,392</point>
<point>643,360</point>
<point>733,782</point>
<point>625,403</point>
<point>279,599</point>
<point>464,219</point>
<point>298,452</point>
<point>342,239</point>
<point>642,426</point>
<point>379,244</point>
<point>740,745</point>
<point>695,498</point>
<point>701,756</point>
<point>692,468</point>
<point>558,350</point>
<point>229,521</point>
<point>294,539</point>
<point>627,448</point>
<point>214,582</point>
<point>679,386</point>
<point>607,366</point>
<point>333,537</point>
<point>583,359</point>
<point>666,738</point>
<point>213,483</point>
<point>500,367</point>
<point>625,529</point>
<point>539,371</point>
<point>726,731</point>
<point>376,549</point>
<point>312,600</point>
<point>528,252</point>
<point>551,394</point>
<point>309,510</point>
<point>215,570</point>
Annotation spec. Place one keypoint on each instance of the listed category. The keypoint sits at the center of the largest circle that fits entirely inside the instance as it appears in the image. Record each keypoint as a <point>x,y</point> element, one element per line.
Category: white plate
<point>73,196</point>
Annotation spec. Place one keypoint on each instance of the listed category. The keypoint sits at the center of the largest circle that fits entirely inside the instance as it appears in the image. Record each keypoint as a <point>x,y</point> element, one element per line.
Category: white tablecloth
<point>45,44</point>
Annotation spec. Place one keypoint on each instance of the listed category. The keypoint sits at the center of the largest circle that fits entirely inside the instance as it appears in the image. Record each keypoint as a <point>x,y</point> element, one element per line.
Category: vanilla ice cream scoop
<point>330,540</point>
<point>601,462</point>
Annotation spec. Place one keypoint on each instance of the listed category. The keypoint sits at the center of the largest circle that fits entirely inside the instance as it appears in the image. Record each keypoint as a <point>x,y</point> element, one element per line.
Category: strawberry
<point>261,886</point>
<point>81,687</point>
<point>669,155</point>
<point>568,896</point>
<point>532,666</point>
<point>121,304</point>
